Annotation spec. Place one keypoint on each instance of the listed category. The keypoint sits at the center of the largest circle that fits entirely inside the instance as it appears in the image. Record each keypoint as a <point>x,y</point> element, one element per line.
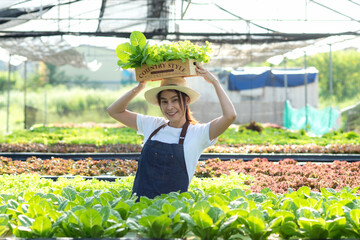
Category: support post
<point>330,72</point>
<point>306,90</point>
<point>25,92</point>
<point>8,96</point>
<point>285,79</point>
<point>45,109</point>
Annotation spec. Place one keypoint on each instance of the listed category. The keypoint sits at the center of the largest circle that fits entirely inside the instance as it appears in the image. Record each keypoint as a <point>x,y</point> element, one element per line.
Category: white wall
<point>107,73</point>
<point>260,105</point>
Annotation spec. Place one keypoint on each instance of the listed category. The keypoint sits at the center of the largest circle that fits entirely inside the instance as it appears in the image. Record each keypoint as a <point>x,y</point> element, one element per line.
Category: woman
<point>173,146</point>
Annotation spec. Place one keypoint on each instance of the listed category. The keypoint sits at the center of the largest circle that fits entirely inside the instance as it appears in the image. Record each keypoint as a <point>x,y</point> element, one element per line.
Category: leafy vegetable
<point>234,139</point>
<point>138,52</point>
<point>67,209</point>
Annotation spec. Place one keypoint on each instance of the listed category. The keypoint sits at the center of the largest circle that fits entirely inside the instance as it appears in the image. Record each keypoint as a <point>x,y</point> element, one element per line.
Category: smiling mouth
<point>171,114</point>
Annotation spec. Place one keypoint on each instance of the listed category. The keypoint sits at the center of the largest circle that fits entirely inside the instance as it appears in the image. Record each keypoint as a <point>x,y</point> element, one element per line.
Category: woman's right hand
<point>118,111</point>
<point>139,87</point>
<point>208,76</point>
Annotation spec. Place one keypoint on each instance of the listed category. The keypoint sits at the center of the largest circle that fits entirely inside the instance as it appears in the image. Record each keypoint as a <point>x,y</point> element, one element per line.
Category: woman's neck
<point>177,124</point>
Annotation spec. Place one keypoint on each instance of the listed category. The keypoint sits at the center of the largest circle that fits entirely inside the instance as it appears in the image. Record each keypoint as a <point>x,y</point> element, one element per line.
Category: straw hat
<point>174,83</point>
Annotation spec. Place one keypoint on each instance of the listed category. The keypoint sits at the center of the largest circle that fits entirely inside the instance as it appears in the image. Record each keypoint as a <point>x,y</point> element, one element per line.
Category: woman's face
<point>171,107</point>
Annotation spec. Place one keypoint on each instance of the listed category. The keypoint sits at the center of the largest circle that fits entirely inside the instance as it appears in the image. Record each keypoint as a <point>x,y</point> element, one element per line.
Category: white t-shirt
<point>196,138</point>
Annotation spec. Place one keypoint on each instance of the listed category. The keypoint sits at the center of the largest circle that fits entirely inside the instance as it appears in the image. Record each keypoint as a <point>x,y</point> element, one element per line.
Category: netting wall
<point>315,121</point>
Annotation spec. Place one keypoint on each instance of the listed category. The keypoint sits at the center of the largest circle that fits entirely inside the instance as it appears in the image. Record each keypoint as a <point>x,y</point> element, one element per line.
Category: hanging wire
<point>183,12</point>
<point>358,4</point>
<point>101,14</point>
<point>333,10</point>
<point>19,3</point>
<point>248,21</point>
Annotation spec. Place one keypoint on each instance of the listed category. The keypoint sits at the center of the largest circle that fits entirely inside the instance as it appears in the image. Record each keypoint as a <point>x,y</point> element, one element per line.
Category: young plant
<point>255,225</point>
<point>138,52</point>
<point>133,54</point>
<point>4,225</point>
<point>353,220</point>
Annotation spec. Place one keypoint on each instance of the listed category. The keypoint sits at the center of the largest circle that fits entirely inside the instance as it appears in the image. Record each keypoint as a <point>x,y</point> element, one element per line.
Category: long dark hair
<point>182,96</point>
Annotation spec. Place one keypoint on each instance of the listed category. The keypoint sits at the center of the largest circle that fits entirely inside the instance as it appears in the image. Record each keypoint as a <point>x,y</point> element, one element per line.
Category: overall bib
<point>161,167</point>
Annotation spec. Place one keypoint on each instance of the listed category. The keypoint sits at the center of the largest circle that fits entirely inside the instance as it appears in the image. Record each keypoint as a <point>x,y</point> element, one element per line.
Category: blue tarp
<point>245,79</point>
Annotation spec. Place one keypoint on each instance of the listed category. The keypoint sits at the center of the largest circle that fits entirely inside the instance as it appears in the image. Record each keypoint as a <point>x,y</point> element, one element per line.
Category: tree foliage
<point>4,80</point>
<point>346,73</point>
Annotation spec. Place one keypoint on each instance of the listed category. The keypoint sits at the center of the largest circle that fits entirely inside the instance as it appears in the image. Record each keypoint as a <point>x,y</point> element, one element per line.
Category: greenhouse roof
<point>240,31</point>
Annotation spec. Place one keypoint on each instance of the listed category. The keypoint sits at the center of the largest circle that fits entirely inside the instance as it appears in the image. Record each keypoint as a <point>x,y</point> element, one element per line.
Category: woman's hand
<point>220,124</point>
<point>118,110</point>
<point>139,87</point>
<point>208,76</point>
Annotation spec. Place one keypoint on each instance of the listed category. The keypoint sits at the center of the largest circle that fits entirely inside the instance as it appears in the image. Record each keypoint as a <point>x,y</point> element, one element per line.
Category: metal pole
<point>25,78</point>
<point>285,80</point>
<point>274,115</point>
<point>58,22</point>
<point>45,109</point>
<point>182,7</point>
<point>251,99</point>
<point>69,15</point>
<point>8,96</point>
<point>306,92</point>
<point>330,72</point>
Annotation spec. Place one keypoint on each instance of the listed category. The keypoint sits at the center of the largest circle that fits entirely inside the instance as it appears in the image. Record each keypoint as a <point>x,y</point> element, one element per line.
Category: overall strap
<point>156,130</point>
<point>183,132</point>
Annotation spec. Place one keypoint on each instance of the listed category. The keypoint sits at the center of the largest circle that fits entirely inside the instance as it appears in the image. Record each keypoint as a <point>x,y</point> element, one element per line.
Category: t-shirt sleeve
<point>211,141</point>
<point>203,130</point>
<point>147,124</point>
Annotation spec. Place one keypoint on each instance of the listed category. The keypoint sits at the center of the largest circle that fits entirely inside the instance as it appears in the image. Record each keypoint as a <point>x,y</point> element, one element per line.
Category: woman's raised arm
<point>118,111</point>
<point>220,124</point>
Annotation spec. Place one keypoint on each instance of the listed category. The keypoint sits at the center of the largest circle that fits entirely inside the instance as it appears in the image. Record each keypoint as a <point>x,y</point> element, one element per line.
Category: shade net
<point>315,121</point>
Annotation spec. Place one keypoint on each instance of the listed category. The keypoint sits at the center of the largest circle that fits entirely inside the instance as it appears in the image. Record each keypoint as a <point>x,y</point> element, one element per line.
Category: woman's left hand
<point>220,124</point>
<point>208,76</point>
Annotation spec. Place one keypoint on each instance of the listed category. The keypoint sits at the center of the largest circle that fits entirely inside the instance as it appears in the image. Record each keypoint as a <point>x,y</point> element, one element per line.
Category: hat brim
<point>151,94</point>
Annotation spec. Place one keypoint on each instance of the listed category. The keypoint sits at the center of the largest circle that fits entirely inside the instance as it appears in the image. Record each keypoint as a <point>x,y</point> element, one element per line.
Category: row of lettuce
<point>278,176</point>
<point>70,209</point>
<point>218,148</point>
<point>238,134</point>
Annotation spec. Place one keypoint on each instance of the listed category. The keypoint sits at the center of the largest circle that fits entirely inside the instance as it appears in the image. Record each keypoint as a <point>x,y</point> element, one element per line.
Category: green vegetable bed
<point>123,139</point>
<point>31,207</point>
<point>214,208</point>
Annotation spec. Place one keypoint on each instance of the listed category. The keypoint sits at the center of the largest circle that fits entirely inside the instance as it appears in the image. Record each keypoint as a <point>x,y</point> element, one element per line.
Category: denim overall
<point>161,167</point>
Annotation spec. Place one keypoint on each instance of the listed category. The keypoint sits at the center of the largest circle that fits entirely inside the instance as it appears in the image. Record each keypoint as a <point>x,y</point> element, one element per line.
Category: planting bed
<point>308,157</point>
<point>228,148</point>
<point>33,207</point>
<point>232,199</point>
<point>275,189</point>
<point>278,176</point>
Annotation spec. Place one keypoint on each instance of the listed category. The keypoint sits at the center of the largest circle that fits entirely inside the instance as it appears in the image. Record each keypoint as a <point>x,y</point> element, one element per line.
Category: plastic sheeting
<point>241,33</point>
<point>244,79</point>
<point>55,51</point>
